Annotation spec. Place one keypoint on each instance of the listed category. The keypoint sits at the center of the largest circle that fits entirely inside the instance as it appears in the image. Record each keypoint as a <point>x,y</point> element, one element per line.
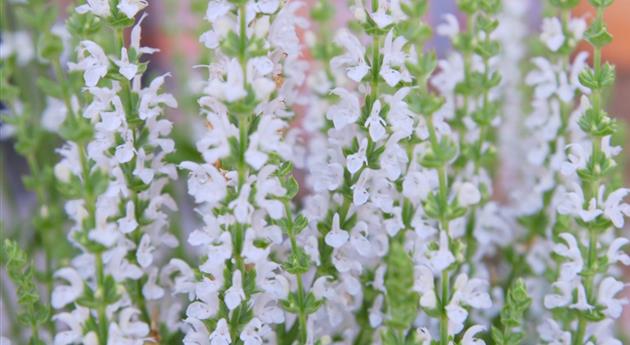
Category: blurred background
<point>174,26</point>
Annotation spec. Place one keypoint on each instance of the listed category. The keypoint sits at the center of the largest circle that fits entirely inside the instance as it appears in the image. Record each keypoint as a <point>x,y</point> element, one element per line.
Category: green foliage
<point>597,34</point>
<point>512,315</point>
<point>33,313</point>
<point>402,301</point>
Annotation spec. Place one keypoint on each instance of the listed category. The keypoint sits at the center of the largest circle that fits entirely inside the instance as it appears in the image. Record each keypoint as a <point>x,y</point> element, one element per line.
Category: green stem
<point>444,316</point>
<point>100,294</point>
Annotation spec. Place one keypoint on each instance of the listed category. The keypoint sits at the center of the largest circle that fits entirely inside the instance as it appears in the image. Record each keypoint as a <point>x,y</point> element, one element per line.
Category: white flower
<point>615,209</point>
<point>92,61</point>
<point>64,294</point>
<point>360,194</point>
<point>282,33</point>
<point>469,335</point>
<point>327,177</point>
<point>130,326</point>
<point>571,251</point>
<point>394,159</point>
<point>456,317</point>
<point>201,310</point>
<point>616,254</point>
<point>19,43</point>
<point>353,60</point>
<point>375,314</point>
<point>572,203</point>
<point>417,184</point>
<point>97,7</point>
<point>380,17</point>
<point>144,254</point>
<point>125,151</point>
<point>336,237</point>
<point>134,39</point>
<point>355,161</point>
<point>577,27</point>
<point>346,111</point>
<point>472,292</point>
<point>267,138</point>
<point>375,123</point>
<point>73,330</point>
<point>55,114</point>
<point>552,35</point>
<point>423,336</point>
<point>582,300</point>
<point>424,284</point>
<point>577,159</point>
<point>468,194</point>
<point>241,206</point>
<point>217,9</point>
<point>608,288</point>
<point>205,183</point>
<point>254,332</point>
<point>198,334</point>
<point>443,257</point>
<point>561,299</point>
<point>131,7</point>
<point>128,223</point>
<point>450,28</point>
<point>127,69</point>
<point>227,81</point>
<point>268,187</point>
<point>235,294</point>
<point>607,149</point>
<point>214,145</point>
<point>151,291</point>
<point>399,116</point>
<point>552,333</point>
<point>393,56</point>
<point>221,334</point>
<point>210,39</point>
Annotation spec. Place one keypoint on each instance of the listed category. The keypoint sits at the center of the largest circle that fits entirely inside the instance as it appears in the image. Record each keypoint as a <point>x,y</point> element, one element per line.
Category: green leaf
<point>20,270</point>
<point>597,34</point>
<point>601,3</point>
<point>565,4</point>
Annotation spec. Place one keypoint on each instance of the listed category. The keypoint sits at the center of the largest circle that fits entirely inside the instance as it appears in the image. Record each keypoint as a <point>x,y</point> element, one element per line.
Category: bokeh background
<point>174,26</point>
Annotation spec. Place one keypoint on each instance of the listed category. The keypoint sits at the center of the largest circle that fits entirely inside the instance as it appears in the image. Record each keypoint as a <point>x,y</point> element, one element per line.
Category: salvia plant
<point>342,183</point>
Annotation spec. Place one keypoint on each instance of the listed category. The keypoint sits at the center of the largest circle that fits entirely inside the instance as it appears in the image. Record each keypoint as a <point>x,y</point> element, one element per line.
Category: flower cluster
<point>113,172</point>
<point>590,209</point>
<point>252,265</point>
<point>437,205</point>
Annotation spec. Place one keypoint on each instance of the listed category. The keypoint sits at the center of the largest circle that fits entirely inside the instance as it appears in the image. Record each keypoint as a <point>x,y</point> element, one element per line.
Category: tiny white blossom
<point>356,160</point>
<point>469,336</point>
<point>353,60</point>
<point>97,7</point>
<point>205,183</point>
<point>127,69</point>
<point>346,111</point>
<point>235,294</point>
<point>468,194</point>
<point>92,61</point>
<point>552,35</point>
<point>336,237</point>
<point>608,288</point>
<point>131,7</point>
<point>65,294</point>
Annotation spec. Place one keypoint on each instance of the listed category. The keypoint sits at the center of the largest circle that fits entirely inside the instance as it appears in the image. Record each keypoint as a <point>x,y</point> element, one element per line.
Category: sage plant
<point>113,173</point>
<point>252,266</point>
<point>380,193</point>
<point>591,209</point>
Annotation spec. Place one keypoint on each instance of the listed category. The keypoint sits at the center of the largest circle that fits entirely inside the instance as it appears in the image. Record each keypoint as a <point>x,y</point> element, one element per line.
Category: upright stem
<point>591,260</point>
<point>100,294</point>
<point>444,316</point>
